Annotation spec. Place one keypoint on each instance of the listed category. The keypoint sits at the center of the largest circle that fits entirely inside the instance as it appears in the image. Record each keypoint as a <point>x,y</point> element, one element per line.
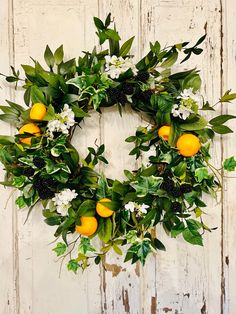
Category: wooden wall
<point>183,280</point>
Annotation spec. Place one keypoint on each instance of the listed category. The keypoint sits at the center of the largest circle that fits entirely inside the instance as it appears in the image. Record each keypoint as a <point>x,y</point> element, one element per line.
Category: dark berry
<point>142,76</point>
<point>122,98</point>
<point>186,188</point>
<point>113,94</point>
<point>39,162</point>
<point>49,182</point>
<point>176,192</point>
<point>28,172</point>
<point>128,89</point>
<point>176,207</point>
<point>168,185</point>
<point>45,193</point>
<point>167,173</point>
<point>146,96</point>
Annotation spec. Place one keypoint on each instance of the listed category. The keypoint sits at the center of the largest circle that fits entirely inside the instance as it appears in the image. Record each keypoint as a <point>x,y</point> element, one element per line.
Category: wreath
<point>41,162</point>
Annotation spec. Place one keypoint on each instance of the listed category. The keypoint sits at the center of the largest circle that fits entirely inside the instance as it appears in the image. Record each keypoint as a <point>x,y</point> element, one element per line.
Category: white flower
<point>116,65</point>
<point>62,200</point>
<point>188,93</point>
<point>63,122</point>
<point>181,111</point>
<point>139,208</point>
<point>130,206</point>
<point>143,208</point>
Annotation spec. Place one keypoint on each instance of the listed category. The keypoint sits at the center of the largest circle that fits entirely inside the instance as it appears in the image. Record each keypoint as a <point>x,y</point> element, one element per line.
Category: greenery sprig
<point>42,163</point>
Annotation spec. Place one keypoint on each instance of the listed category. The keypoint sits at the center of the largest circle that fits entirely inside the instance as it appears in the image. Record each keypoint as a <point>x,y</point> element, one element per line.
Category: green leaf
<point>193,80</point>
<point>112,34</point>
<point>37,95</point>
<point>221,119</point>
<point>130,139</point>
<point>177,229</point>
<point>18,182</point>
<point>159,245</point>
<point>196,124</point>
<point>147,185</point>
<point>85,246</point>
<point>230,164</point>
<point>105,229</point>
<point>98,23</point>
<point>59,55</point>
<point>48,57</point>
<point>60,248</point>
<point>87,208</point>
<point>79,113</point>
<point>180,169</point>
<point>20,202</point>
<point>125,48</point>
<point>192,237</point>
<point>50,115</point>
<point>201,174</point>
<point>222,129</point>
<point>170,60</point>
<point>73,265</point>
<point>6,140</point>
<point>227,97</point>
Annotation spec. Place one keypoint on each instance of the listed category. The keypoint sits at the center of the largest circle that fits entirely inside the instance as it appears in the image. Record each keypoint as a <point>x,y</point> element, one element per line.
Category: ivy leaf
<point>201,174</point>
<point>85,246</point>
<point>230,164</point>
<point>60,248</point>
<point>73,265</point>
<point>20,202</point>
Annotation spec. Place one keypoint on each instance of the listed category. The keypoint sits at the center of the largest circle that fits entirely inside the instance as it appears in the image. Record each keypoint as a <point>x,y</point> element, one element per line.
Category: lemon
<point>38,111</point>
<point>102,210</point>
<point>29,128</point>
<point>188,145</point>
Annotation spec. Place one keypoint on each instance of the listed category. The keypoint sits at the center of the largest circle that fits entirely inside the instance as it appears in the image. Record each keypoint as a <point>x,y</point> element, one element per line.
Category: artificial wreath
<point>41,162</point>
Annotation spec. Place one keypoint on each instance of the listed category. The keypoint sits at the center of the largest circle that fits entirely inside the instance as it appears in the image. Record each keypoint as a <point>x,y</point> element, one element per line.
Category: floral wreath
<point>41,162</point>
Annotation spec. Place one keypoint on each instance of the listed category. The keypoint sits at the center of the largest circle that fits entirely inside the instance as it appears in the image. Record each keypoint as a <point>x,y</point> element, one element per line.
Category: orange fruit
<point>188,145</point>
<point>29,128</point>
<point>88,226</point>
<point>38,111</point>
<point>164,132</point>
<point>102,210</point>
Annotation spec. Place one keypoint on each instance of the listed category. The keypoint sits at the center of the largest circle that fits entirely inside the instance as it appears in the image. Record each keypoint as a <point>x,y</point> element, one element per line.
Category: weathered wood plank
<point>121,289</point>
<point>182,272</point>
<point>228,216</point>
<point>41,289</point>
<point>8,260</point>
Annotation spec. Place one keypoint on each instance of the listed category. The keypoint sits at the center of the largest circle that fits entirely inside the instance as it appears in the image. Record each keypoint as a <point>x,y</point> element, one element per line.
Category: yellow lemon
<point>188,145</point>
<point>164,132</point>
<point>102,210</point>
<point>29,128</point>
<point>88,226</point>
<point>38,111</point>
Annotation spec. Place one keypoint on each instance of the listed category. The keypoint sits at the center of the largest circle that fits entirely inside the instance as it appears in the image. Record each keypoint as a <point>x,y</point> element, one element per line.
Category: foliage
<point>166,191</point>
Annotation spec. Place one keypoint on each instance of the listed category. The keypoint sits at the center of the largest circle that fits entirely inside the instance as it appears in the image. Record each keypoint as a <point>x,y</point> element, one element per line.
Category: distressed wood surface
<point>183,280</point>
